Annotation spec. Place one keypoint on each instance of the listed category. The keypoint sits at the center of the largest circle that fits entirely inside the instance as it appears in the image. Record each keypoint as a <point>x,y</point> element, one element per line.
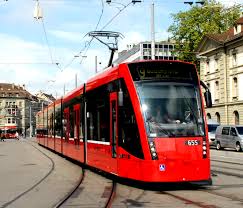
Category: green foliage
<point>189,27</point>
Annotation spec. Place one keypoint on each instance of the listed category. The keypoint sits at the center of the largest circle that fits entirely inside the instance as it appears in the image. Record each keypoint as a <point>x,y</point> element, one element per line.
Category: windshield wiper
<point>190,108</point>
<point>154,127</point>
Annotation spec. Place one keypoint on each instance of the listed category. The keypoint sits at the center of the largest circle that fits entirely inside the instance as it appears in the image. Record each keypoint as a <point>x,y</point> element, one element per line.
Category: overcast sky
<point>42,54</point>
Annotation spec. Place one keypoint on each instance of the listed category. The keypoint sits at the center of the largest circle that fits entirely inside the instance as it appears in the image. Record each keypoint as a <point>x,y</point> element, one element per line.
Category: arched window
<point>217,117</point>
<point>236,118</point>
<point>208,85</point>
<point>208,116</point>
<point>235,88</point>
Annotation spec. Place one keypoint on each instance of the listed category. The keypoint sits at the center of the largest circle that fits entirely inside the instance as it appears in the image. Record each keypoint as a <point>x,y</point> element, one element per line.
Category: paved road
<point>31,176</point>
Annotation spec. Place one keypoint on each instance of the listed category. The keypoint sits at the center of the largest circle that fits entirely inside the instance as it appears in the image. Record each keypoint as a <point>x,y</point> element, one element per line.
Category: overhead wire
<point>86,48</point>
<point>46,38</point>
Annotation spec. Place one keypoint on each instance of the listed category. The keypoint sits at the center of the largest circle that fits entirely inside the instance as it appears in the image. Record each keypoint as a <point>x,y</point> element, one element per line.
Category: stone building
<point>221,68</point>
<point>18,108</point>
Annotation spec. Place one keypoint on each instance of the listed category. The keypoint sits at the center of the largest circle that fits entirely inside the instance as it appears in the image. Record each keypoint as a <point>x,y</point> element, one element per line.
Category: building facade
<point>18,109</point>
<point>221,68</point>
<point>142,51</point>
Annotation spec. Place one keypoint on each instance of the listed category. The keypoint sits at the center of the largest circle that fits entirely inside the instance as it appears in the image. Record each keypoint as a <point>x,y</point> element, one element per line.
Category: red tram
<point>8,132</point>
<point>141,120</point>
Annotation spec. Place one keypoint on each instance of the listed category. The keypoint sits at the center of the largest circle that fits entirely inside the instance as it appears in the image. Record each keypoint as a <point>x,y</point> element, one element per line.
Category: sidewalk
<point>23,165</point>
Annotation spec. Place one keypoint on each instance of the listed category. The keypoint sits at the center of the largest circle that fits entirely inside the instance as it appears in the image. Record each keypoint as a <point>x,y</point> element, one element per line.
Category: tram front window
<point>171,109</point>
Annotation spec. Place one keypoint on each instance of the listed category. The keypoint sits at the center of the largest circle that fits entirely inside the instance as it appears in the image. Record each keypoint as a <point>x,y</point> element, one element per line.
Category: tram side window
<point>45,122</point>
<point>128,129</point>
<point>71,120</point>
<point>58,121</point>
<point>50,124</point>
<point>98,114</point>
<point>81,128</point>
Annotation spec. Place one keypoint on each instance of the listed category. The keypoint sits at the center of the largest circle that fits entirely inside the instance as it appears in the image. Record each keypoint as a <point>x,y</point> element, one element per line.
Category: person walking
<point>2,137</point>
<point>17,135</point>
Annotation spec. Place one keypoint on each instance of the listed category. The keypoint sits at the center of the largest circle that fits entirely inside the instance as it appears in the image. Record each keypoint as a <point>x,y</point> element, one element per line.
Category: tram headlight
<point>204,147</point>
<point>153,150</point>
<point>154,154</point>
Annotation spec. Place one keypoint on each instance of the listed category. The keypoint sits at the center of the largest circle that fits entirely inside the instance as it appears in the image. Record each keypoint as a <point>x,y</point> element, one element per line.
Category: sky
<point>47,54</point>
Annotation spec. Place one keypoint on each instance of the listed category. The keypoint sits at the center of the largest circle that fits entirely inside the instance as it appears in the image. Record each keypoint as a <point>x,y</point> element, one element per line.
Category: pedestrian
<point>17,135</point>
<point>2,137</point>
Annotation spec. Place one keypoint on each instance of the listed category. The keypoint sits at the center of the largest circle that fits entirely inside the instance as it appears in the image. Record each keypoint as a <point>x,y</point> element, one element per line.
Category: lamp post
<point>196,2</point>
<point>30,122</point>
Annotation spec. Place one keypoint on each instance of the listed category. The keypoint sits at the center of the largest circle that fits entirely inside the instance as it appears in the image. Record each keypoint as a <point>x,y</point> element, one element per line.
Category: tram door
<point>66,124</point>
<point>66,131</point>
<point>113,129</point>
<point>76,125</point>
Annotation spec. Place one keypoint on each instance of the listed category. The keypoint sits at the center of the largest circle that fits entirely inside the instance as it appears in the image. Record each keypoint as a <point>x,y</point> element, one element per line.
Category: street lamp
<point>37,11</point>
<point>197,2</point>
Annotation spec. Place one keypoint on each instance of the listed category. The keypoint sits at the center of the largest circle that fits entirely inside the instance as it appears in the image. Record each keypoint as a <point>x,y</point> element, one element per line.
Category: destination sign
<point>162,71</point>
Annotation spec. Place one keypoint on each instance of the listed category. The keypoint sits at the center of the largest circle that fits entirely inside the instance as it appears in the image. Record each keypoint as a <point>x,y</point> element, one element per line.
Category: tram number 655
<point>192,142</point>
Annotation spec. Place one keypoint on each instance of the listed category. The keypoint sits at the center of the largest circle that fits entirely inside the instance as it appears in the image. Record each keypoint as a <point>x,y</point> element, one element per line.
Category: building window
<point>235,88</point>
<point>207,66</point>
<point>208,85</point>
<point>216,64</point>
<point>236,118</point>
<point>234,58</point>
<point>216,90</point>
<point>217,117</point>
<point>208,116</point>
<point>9,120</point>
<point>20,103</point>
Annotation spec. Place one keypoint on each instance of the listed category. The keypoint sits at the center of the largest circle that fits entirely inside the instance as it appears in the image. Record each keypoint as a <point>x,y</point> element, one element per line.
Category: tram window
<point>81,127</point>
<point>71,121</point>
<point>128,130</point>
<point>58,121</point>
<point>98,113</point>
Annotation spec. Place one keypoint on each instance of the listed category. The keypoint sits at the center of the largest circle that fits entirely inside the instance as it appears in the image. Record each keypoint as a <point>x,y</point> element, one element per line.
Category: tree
<point>189,27</point>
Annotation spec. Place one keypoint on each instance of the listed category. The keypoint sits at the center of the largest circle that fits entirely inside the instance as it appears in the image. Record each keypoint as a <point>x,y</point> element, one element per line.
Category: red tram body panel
<point>141,120</point>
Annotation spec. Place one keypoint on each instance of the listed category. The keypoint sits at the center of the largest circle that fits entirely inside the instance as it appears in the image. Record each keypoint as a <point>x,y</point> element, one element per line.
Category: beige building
<point>221,68</point>
<point>18,108</point>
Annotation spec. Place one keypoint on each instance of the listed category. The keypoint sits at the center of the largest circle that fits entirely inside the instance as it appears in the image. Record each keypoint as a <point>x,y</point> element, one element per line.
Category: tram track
<point>112,195</point>
<point>189,201</point>
<point>92,190</point>
<point>226,162</point>
<point>36,184</point>
<point>69,194</point>
<point>174,196</point>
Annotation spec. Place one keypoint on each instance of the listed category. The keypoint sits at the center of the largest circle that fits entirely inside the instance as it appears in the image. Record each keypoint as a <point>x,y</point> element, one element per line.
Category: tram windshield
<point>171,109</point>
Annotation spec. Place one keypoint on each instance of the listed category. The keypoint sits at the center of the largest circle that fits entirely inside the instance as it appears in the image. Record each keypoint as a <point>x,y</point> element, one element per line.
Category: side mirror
<point>207,95</point>
<point>208,98</point>
<point>120,98</point>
